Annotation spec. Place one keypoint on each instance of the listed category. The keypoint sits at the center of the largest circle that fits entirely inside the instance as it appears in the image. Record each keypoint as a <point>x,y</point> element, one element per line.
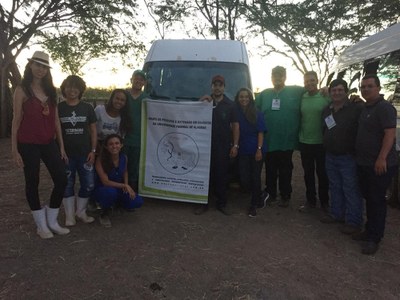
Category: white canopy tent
<point>383,42</point>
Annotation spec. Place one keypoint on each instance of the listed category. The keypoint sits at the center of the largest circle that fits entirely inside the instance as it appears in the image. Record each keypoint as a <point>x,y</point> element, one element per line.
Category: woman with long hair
<point>113,117</point>
<point>34,128</point>
<point>252,148</point>
<point>113,187</point>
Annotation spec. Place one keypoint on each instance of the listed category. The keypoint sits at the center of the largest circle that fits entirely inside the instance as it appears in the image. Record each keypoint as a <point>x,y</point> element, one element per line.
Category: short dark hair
<point>337,82</point>
<point>279,70</point>
<point>74,81</point>
<point>311,73</point>
<point>140,73</point>
<point>374,77</point>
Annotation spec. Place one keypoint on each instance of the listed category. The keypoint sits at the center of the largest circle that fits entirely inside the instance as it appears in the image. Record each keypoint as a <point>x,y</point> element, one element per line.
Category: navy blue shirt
<point>373,121</point>
<point>224,113</point>
<point>248,141</point>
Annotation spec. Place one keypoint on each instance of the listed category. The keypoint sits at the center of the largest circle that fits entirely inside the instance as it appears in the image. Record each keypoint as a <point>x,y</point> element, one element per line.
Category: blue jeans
<point>346,199</point>
<point>86,177</point>
<point>108,196</point>
<point>373,188</point>
<point>250,176</point>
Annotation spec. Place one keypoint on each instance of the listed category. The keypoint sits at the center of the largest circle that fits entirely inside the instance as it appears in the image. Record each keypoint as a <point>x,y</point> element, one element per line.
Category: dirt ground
<point>164,251</point>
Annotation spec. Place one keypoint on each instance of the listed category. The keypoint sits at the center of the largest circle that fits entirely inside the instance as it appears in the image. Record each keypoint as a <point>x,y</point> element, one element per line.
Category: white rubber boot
<point>69,206</point>
<point>40,219</point>
<point>81,204</point>
<point>52,214</point>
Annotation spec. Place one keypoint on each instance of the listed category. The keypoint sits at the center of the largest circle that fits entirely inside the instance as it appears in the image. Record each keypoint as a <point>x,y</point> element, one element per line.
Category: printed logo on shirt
<point>70,131</point>
<point>111,126</point>
<point>74,119</point>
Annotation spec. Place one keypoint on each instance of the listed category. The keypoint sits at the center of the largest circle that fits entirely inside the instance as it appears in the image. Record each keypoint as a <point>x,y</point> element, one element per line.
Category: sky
<point>112,73</point>
<point>108,73</point>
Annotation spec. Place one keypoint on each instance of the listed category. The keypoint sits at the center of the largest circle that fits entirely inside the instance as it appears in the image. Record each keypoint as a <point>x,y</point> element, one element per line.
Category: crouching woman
<point>113,188</point>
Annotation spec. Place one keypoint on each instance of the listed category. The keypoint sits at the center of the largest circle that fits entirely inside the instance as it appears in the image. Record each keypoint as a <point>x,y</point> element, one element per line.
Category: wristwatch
<point>94,150</point>
<point>236,146</point>
<point>259,148</point>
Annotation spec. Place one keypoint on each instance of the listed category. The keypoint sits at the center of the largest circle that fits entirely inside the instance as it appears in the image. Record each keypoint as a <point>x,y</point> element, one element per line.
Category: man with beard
<point>224,142</point>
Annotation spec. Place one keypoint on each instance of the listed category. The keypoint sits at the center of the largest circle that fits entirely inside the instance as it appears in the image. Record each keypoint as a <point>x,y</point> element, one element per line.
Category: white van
<point>182,69</point>
<point>378,54</point>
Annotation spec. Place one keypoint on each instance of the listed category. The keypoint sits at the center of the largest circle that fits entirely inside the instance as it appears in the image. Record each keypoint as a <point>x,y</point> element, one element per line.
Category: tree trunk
<point>10,77</point>
<point>3,105</point>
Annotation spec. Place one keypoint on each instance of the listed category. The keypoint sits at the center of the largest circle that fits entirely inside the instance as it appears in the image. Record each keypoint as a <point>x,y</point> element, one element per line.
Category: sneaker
<point>105,221</point>
<point>272,198</point>
<point>224,210</point>
<point>360,236</point>
<point>328,219</point>
<point>284,202</point>
<point>252,212</point>
<point>93,206</point>
<point>264,199</point>
<point>200,209</point>
<point>349,229</point>
<point>370,248</point>
<point>325,207</point>
<point>307,207</point>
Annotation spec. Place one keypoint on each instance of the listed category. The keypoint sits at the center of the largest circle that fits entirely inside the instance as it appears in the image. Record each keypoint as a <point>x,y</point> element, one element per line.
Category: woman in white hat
<point>34,128</point>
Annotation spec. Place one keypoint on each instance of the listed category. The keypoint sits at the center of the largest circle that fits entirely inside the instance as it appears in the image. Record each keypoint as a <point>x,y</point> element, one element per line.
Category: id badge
<point>330,121</point>
<point>276,104</point>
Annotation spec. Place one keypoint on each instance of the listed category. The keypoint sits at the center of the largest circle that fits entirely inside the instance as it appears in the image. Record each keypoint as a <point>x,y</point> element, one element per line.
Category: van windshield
<point>189,80</point>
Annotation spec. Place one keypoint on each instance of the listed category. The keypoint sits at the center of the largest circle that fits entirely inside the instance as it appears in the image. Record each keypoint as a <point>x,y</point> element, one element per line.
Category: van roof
<point>383,42</point>
<point>198,50</point>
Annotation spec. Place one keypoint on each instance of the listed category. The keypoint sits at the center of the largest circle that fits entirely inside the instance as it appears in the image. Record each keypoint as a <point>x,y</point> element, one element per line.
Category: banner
<point>175,150</point>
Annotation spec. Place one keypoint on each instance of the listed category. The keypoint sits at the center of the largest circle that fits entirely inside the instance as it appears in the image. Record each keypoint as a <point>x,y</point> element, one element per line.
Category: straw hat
<point>41,58</point>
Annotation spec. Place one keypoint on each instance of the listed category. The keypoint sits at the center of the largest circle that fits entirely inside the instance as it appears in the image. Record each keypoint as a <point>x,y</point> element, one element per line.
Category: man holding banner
<point>225,130</point>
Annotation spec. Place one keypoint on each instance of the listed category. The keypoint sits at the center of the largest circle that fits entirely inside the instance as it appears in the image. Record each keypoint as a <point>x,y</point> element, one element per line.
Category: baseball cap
<point>218,78</point>
<point>139,73</point>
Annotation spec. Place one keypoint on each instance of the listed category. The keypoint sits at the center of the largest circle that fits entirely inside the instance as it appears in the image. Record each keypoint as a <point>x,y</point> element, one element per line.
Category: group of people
<point>89,142</point>
<point>349,145</point>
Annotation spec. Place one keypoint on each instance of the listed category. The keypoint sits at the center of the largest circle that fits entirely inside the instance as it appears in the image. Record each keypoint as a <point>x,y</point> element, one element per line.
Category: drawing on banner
<point>178,153</point>
<point>175,150</point>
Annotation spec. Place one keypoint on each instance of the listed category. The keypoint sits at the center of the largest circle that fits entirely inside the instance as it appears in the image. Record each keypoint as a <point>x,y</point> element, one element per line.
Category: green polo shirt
<point>311,118</point>
<point>282,122</point>
<point>135,112</point>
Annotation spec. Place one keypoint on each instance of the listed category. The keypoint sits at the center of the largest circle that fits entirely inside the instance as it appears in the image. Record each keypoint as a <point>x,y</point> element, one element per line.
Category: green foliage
<point>94,95</point>
<point>99,29</point>
<point>97,93</point>
<point>314,32</point>
<point>73,31</point>
<point>221,16</point>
